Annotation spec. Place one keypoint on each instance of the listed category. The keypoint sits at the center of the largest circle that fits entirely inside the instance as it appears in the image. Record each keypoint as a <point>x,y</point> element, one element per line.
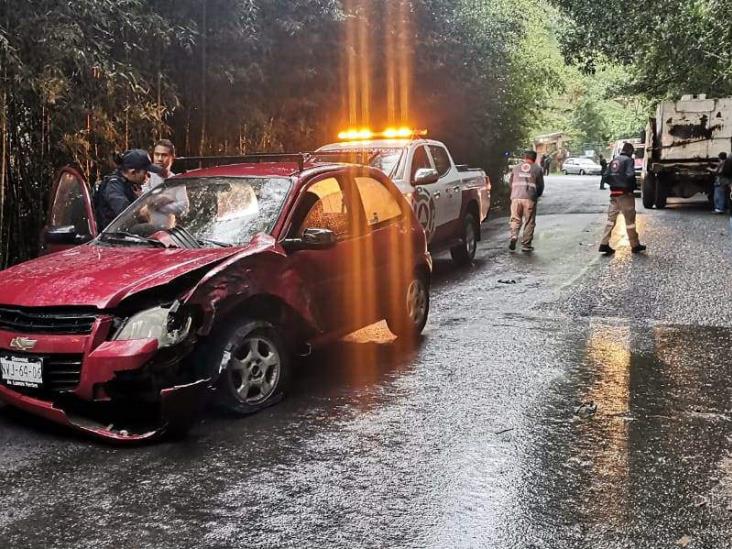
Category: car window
<point>379,204</point>
<point>324,206</point>
<point>441,158</point>
<point>419,160</point>
<point>69,206</point>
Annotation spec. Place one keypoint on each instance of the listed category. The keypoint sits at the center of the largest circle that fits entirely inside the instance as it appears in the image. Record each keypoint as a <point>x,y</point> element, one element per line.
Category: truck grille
<point>61,374</point>
<point>46,321</point>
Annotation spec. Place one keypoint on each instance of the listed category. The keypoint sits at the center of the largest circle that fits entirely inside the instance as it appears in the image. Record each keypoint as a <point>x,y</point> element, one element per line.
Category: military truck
<point>683,143</point>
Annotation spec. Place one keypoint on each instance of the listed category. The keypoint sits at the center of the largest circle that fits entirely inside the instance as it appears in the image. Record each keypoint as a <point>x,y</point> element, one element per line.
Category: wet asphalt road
<point>471,440</point>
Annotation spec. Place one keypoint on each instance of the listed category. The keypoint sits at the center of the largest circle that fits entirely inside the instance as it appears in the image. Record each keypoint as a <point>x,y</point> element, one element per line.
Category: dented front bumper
<point>97,366</point>
<point>179,407</point>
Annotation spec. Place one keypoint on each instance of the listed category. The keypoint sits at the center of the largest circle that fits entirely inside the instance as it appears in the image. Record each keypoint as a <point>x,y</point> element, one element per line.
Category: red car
<point>206,285</point>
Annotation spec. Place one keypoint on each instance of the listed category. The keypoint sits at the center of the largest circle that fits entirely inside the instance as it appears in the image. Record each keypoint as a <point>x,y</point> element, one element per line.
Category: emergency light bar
<point>389,133</point>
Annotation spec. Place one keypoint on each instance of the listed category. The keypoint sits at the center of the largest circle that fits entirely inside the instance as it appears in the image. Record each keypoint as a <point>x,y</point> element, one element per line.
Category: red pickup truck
<point>213,280</point>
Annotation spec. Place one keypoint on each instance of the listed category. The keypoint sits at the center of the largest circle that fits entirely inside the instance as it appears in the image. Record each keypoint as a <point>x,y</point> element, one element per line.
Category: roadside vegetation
<point>82,79</point>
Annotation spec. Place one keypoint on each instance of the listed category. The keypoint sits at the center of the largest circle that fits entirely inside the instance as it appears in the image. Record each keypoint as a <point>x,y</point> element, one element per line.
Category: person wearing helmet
<point>620,176</point>
<point>119,190</point>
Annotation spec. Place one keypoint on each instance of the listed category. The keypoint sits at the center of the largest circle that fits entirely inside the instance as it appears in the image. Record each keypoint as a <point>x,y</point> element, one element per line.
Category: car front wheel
<point>410,319</point>
<point>252,363</point>
<point>465,252</point>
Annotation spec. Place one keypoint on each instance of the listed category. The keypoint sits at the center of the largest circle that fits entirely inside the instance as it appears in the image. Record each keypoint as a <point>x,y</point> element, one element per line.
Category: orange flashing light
<point>389,133</point>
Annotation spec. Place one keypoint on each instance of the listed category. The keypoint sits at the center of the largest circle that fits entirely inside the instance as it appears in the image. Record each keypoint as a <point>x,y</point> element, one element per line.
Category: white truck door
<point>426,198</point>
<point>451,199</point>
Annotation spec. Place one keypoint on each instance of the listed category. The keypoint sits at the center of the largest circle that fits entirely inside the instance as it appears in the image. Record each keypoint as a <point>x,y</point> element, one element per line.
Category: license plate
<point>22,371</point>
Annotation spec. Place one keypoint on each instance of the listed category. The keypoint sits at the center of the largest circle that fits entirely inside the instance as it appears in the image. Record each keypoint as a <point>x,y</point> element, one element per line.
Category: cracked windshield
<point>228,211</point>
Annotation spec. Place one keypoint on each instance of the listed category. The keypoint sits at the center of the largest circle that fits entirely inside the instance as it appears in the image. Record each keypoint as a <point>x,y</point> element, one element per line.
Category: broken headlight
<point>168,325</point>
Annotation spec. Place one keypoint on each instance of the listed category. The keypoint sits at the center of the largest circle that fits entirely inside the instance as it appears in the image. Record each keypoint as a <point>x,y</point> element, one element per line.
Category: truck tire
<point>649,192</point>
<point>250,364</point>
<point>465,252</point>
<point>661,195</point>
<point>408,321</point>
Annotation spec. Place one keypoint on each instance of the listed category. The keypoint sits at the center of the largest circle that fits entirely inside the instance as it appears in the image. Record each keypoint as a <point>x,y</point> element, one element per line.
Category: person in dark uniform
<point>119,190</point>
<point>621,178</point>
<point>603,170</point>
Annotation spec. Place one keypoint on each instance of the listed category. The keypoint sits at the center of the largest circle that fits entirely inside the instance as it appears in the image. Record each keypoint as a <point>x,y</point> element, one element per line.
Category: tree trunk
<point>204,73</point>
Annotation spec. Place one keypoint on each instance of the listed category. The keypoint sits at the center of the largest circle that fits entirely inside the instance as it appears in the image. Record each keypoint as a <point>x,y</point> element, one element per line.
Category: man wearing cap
<point>620,176</point>
<point>527,185</point>
<point>119,190</point>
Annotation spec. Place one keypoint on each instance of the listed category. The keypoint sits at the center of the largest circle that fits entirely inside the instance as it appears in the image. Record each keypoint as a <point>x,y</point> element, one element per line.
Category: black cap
<point>138,159</point>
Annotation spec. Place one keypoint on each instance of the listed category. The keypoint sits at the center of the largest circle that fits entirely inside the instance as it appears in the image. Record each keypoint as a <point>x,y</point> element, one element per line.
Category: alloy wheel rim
<point>254,369</point>
<point>416,302</point>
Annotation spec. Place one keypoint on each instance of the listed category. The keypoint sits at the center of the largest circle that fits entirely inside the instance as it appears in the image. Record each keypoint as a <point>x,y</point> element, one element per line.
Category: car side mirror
<point>312,239</point>
<point>65,235</point>
<point>426,176</point>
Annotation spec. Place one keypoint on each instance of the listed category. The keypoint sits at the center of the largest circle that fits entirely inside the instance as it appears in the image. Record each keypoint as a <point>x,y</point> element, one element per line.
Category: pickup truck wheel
<point>253,366</point>
<point>465,252</point>
<point>410,320</point>
<point>649,191</point>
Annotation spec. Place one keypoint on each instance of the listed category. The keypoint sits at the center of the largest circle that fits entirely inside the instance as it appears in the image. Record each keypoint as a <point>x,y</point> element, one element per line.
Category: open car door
<point>71,219</point>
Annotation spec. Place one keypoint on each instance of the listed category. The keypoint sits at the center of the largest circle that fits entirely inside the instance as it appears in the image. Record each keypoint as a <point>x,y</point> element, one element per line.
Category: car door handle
<point>456,188</point>
<point>436,196</point>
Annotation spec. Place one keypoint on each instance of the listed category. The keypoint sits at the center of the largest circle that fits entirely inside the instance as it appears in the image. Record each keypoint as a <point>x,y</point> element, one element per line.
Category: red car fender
<point>233,282</point>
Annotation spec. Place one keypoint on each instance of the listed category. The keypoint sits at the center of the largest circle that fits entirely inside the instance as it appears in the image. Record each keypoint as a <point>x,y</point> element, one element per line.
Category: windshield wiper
<point>214,242</point>
<point>124,236</point>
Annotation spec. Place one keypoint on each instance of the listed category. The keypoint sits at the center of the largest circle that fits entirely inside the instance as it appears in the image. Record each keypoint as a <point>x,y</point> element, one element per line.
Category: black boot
<point>512,244</point>
<point>638,249</point>
<point>606,249</point>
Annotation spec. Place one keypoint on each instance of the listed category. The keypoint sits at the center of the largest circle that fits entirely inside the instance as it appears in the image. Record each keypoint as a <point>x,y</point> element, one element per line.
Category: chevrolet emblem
<point>22,343</point>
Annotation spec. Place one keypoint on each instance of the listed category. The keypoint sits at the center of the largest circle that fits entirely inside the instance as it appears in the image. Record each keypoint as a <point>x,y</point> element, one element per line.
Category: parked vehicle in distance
<point>125,337</point>
<point>581,166</point>
<point>683,143</point>
<point>450,200</point>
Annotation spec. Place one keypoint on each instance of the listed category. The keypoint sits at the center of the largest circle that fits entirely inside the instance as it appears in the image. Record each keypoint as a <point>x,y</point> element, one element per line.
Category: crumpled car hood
<point>100,276</point>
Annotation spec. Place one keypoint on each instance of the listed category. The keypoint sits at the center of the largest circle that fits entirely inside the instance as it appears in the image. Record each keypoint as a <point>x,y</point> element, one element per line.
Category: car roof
<point>265,169</point>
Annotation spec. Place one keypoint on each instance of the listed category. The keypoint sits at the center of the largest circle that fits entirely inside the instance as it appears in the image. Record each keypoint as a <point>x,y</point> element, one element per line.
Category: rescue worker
<point>621,179</point>
<point>119,190</point>
<point>527,185</point>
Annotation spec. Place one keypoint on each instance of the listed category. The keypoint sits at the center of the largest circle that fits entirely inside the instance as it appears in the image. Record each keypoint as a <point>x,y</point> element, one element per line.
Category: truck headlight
<point>167,325</point>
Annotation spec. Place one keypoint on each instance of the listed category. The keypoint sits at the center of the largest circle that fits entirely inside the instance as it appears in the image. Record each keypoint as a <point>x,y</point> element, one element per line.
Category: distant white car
<point>581,166</point>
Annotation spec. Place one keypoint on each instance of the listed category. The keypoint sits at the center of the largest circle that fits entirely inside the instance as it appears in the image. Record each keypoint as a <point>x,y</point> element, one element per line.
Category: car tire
<point>465,252</point>
<point>249,364</point>
<point>565,172</point>
<point>582,172</point>
<point>409,321</point>
<point>649,192</point>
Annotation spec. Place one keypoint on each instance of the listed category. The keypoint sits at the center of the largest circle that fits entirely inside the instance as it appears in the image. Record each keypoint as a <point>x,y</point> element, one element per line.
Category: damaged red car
<point>206,288</point>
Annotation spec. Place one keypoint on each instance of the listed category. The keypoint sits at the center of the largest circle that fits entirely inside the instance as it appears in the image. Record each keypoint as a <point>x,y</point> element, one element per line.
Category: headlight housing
<point>166,324</point>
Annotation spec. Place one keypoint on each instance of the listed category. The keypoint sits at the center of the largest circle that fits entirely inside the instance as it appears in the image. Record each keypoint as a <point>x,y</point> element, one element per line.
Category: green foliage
<point>81,79</point>
<point>593,110</point>
<point>672,47</point>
